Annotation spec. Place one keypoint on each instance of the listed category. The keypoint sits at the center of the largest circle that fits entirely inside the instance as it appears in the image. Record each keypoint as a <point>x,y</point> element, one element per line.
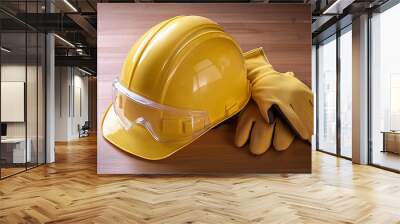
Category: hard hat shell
<point>186,62</point>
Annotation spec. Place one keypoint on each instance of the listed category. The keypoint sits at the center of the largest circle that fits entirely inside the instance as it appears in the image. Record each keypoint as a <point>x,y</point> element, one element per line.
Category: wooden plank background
<point>284,31</point>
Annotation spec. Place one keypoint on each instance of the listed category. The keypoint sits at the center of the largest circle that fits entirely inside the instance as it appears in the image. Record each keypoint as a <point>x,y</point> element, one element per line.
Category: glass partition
<point>13,94</point>
<point>22,77</point>
<point>31,97</point>
<point>41,97</point>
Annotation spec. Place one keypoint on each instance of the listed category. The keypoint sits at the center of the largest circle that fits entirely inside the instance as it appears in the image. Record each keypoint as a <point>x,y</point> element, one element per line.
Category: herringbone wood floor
<point>70,191</point>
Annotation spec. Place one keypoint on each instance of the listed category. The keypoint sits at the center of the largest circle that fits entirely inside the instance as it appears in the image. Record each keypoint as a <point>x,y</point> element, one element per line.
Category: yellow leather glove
<point>282,91</point>
<point>252,125</point>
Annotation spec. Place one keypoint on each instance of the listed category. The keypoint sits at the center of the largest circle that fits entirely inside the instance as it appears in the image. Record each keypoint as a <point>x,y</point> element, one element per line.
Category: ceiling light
<point>70,5</point>
<point>5,50</point>
<point>84,71</point>
<point>64,40</point>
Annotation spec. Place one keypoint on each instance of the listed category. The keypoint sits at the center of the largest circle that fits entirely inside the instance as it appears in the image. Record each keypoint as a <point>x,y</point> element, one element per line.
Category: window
<point>346,92</point>
<point>327,95</point>
<point>334,112</point>
<point>314,90</point>
<point>385,89</point>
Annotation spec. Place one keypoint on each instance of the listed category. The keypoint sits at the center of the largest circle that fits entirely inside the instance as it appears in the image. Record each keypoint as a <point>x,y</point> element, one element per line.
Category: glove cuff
<point>256,52</point>
<point>257,64</point>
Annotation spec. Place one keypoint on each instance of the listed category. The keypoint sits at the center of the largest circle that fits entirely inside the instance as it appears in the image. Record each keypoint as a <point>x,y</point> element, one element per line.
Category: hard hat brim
<point>137,140</point>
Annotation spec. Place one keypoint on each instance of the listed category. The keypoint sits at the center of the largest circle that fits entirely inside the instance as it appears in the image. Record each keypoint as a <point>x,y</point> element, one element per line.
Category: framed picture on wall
<point>282,33</point>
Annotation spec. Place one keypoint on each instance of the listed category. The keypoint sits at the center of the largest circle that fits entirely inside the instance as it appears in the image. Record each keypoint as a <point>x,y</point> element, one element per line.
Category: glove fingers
<point>243,129</point>
<point>264,108</point>
<point>295,122</point>
<point>310,120</point>
<point>306,114</point>
<point>261,137</point>
<point>283,136</point>
<point>311,100</point>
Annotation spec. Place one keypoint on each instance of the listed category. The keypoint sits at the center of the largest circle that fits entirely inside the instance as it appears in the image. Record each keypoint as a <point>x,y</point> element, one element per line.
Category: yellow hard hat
<point>180,79</point>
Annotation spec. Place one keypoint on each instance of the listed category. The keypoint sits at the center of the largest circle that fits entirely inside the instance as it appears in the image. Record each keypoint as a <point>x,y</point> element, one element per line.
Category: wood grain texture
<point>212,153</point>
<point>70,191</point>
<point>284,31</point>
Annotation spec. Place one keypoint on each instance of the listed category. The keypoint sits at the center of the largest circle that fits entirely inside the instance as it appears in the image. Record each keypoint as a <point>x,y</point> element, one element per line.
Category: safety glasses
<point>164,123</point>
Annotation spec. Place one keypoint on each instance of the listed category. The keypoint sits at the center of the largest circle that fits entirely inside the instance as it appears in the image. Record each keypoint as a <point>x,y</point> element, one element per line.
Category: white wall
<point>80,110</point>
<point>33,126</point>
<point>13,73</point>
<point>61,103</point>
<point>71,102</point>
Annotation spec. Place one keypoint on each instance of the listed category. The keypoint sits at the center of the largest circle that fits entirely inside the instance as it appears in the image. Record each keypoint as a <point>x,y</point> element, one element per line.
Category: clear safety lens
<point>165,123</point>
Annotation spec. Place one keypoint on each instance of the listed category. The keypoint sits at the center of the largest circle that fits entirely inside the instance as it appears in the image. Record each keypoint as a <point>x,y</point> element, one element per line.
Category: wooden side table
<point>391,141</point>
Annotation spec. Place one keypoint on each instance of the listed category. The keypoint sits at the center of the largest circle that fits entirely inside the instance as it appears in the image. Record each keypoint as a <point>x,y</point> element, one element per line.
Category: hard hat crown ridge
<point>181,78</point>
